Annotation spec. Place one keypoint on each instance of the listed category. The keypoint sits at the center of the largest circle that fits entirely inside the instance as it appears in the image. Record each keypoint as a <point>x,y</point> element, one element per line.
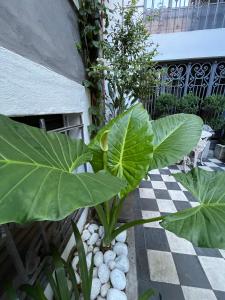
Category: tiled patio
<point>172,265</point>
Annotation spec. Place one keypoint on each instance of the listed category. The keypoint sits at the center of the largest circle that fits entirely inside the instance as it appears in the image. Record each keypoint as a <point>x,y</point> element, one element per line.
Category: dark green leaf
<point>35,292</point>
<point>147,295</point>
<point>203,225</point>
<point>36,171</point>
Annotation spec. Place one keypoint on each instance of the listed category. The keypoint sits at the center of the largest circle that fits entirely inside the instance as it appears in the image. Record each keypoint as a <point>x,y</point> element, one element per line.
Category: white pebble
<point>112,264</point>
<point>122,263</point>
<point>75,262</point>
<point>104,289</point>
<point>101,231</point>
<point>109,255</point>
<point>100,298</point>
<point>96,249</point>
<point>93,239</point>
<point>87,225</point>
<point>113,242</point>
<point>122,237</point>
<point>95,272</point>
<point>103,273</point>
<point>95,288</point>
<point>88,260</point>
<point>118,279</point>
<point>92,228</point>
<point>85,235</point>
<point>98,243</point>
<point>98,258</point>
<point>114,294</point>
<point>90,248</point>
<point>120,249</point>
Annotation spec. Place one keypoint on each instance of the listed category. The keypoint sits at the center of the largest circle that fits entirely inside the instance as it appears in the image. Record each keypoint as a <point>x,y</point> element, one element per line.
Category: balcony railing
<point>178,17</point>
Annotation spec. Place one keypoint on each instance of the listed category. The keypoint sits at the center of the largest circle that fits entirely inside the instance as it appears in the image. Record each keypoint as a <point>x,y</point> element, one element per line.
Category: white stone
<point>120,249</point>
<point>104,289</point>
<point>112,264</point>
<point>118,279</point>
<point>75,262</point>
<point>113,242</point>
<point>95,272</point>
<point>103,273</point>
<point>98,243</point>
<point>114,294</point>
<point>122,237</point>
<point>96,249</point>
<point>88,260</point>
<point>95,288</point>
<point>92,228</point>
<point>85,235</point>
<point>122,263</point>
<point>93,239</point>
<point>100,298</point>
<point>77,277</point>
<point>87,225</point>
<point>98,258</point>
<point>109,255</point>
<point>90,248</point>
<point>101,231</point>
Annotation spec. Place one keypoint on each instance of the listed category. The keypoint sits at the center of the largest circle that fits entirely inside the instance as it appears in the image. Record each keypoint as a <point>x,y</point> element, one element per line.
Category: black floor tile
<point>139,237</point>
<point>165,171</point>
<point>181,205</point>
<point>190,197</point>
<point>146,184</point>
<point>173,186</point>
<point>190,271</point>
<point>162,194</point>
<point>142,264</point>
<point>155,177</point>
<point>149,204</point>
<point>156,239</point>
<point>219,295</point>
<point>173,167</point>
<point>208,252</point>
<point>168,291</point>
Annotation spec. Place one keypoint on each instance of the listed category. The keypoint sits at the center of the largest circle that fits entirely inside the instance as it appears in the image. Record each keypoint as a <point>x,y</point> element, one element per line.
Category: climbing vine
<point>92,19</point>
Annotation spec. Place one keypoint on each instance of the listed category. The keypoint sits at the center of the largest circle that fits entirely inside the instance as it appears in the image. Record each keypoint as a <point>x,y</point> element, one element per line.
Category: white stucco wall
<point>190,45</point>
<point>27,88</point>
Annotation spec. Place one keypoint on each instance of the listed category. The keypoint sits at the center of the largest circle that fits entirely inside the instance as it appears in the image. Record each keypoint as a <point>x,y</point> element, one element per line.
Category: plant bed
<point>110,265</point>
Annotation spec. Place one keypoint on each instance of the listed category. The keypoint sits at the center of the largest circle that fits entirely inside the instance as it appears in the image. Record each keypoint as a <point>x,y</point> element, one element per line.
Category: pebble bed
<point>110,267</point>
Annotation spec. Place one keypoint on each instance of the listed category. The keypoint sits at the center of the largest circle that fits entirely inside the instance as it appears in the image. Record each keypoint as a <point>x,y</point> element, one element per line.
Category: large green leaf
<point>203,225</point>
<point>174,137</point>
<point>129,146</point>
<point>37,180</point>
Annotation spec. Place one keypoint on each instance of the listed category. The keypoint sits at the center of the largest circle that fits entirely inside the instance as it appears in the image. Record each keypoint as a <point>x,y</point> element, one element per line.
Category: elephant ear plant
<point>131,145</point>
<point>37,175</point>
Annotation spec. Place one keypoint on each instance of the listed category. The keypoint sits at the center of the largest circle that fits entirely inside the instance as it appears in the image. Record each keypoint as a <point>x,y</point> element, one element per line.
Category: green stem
<point>133,223</point>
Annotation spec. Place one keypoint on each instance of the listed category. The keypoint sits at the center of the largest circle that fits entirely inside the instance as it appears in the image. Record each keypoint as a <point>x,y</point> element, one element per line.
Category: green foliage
<point>91,16</point>
<point>147,295</point>
<point>126,62</point>
<point>37,175</point>
<point>165,105</point>
<point>134,145</point>
<point>212,109</point>
<point>203,225</point>
<point>188,104</point>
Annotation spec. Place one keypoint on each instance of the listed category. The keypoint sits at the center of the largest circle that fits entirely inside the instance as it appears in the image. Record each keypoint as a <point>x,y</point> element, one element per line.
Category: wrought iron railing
<point>200,78</point>
<point>176,16</point>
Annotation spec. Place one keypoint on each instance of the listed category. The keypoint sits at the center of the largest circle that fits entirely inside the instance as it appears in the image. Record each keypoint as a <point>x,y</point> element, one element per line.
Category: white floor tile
<point>193,293</point>
<point>173,171</point>
<point>222,251</point>
<point>162,267</point>
<point>179,245</point>
<point>166,205</point>
<point>194,204</point>
<point>211,164</point>
<point>177,195</point>
<point>146,193</point>
<point>159,185</point>
<point>156,172</point>
<point>151,214</point>
<point>215,271</point>
<point>215,160</point>
<point>206,168</point>
<point>168,178</point>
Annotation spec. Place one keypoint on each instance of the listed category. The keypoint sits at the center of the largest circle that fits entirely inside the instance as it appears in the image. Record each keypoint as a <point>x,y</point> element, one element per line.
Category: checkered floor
<point>172,265</point>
